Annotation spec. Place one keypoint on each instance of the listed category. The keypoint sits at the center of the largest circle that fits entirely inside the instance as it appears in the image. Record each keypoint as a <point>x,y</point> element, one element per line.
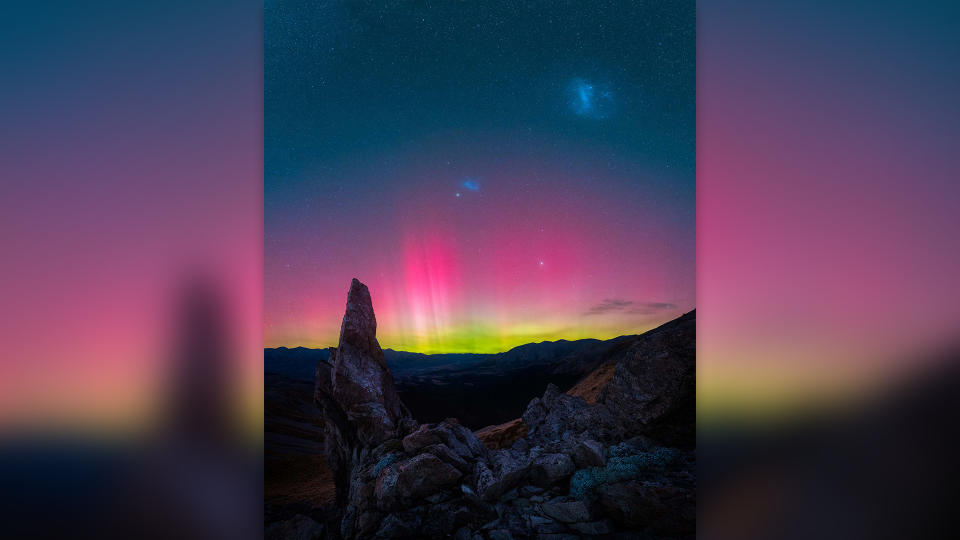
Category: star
<point>458,194</point>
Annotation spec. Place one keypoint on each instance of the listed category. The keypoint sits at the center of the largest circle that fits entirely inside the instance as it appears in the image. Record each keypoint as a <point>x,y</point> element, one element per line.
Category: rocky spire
<point>361,382</point>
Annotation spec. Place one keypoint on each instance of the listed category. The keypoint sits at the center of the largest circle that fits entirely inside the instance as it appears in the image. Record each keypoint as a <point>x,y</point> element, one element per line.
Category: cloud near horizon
<point>619,305</point>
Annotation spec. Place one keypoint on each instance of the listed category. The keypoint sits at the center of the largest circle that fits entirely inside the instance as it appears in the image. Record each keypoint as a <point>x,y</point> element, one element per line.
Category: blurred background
<point>827,221</point>
<point>131,225</point>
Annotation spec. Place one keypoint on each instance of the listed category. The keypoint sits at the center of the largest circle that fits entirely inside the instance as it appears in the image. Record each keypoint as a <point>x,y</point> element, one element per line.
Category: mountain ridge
<point>307,356</point>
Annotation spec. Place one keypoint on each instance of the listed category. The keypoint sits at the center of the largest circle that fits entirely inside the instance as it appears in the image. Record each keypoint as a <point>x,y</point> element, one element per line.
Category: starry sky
<point>497,173</point>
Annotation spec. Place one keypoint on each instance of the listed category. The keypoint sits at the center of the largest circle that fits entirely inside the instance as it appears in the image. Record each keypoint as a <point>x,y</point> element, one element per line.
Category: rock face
<point>355,389</point>
<point>360,379</point>
<point>571,468</point>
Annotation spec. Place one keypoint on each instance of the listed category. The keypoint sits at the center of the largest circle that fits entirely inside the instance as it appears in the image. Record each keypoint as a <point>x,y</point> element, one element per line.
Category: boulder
<point>423,436</point>
<point>450,457</point>
<point>450,433</point>
<point>504,471</point>
<point>550,417</point>
<point>551,469</point>
<point>400,525</point>
<point>567,512</point>
<point>414,478</point>
<point>589,453</point>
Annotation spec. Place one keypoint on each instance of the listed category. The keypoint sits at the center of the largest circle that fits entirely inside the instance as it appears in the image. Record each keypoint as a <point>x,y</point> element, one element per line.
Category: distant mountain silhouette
<point>296,362</point>
<point>566,357</point>
<point>436,386</point>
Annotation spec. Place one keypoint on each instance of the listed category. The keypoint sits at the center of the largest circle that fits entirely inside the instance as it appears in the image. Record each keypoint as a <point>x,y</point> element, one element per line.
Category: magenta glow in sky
<point>482,252</point>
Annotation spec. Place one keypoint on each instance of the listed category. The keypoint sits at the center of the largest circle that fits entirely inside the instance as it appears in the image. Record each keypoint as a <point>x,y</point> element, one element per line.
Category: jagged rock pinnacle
<point>359,327</point>
<point>361,382</point>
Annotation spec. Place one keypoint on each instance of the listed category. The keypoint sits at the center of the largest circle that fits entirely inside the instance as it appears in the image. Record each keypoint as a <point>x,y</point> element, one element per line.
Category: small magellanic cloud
<point>471,184</point>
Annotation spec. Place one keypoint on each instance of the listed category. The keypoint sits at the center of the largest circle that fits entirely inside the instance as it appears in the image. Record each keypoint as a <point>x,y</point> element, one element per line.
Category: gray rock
<point>448,456</point>
<point>589,453</point>
<point>551,469</point>
<point>417,477</point>
<point>505,471</point>
<point>460,440</point>
<point>424,436</point>
<point>361,381</point>
<point>567,512</point>
<point>398,526</point>
<point>548,418</point>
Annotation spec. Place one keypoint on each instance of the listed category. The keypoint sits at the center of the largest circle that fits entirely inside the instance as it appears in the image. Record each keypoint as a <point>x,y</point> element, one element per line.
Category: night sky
<point>496,172</point>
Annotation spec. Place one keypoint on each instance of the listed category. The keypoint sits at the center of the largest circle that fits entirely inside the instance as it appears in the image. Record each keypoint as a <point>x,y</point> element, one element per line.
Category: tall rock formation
<point>356,391</point>
<point>361,381</point>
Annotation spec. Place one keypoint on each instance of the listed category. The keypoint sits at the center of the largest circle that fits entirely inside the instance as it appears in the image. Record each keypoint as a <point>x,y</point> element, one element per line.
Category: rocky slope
<point>581,470</point>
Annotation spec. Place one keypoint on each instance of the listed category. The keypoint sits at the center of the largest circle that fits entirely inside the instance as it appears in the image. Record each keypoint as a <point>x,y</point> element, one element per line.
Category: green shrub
<point>621,466</point>
<point>585,481</point>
